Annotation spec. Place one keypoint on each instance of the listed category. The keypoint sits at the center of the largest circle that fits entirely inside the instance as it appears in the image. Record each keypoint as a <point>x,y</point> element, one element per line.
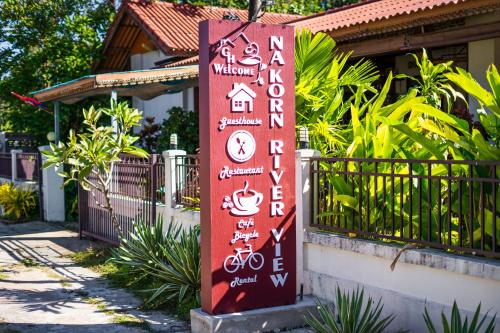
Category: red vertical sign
<point>247,144</point>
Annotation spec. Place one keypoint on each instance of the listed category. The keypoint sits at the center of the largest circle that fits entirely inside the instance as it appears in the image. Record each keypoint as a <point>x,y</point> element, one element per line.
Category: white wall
<point>158,106</point>
<point>482,54</point>
<point>420,278</point>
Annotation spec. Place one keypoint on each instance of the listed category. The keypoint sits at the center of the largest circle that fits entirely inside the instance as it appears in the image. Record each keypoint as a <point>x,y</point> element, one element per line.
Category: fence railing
<point>443,204</point>
<point>137,186</point>
<point>187,181</point>
<point>27,165</point>
<point>6,165</point>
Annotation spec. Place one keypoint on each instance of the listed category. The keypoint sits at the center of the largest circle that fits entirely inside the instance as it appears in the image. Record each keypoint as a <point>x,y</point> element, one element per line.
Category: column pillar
<point>57,130</point>
<point>53,192</point>
<point>114,98</point>
<point>3,143</point>
<point>13,161</point>
<point>170,190</point>
<point>303,204</point>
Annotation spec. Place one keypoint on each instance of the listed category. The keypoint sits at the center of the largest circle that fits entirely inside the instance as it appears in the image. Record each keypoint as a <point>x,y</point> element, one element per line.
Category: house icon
<point>241,98</point>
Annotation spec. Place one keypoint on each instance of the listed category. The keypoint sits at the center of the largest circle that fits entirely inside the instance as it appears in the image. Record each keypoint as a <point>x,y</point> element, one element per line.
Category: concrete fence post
<point>3,143</point>
<point>53,192</point>
<point>303,204</point>
<point>169,156</point>
<point>13,161</point>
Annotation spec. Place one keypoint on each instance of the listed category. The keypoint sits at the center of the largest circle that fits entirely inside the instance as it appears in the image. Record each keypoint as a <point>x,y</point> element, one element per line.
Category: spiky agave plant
<point>170,258</point>
<point>351,314</point>
<point>455,325</point>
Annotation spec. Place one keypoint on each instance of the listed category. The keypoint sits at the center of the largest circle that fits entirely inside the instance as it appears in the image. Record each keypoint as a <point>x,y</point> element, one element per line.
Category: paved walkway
<point>42,290</point>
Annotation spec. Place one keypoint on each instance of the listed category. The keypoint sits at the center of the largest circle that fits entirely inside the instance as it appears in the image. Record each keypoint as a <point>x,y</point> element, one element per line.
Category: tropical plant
<point>324,86</point>
<point>91,155</point>
<point>352,314</point>
<point>17,202</point>
<point>455,324</point>
<point>432,82</point>
<point>148,136</point>
<point>172,258</point>
<point>182,123</point>
<point>412,129</point>
<point>489,100</point>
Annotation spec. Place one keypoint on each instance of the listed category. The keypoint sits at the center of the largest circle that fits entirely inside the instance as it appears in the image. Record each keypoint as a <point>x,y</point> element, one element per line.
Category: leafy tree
<point>42,43</point>
<point>182,123</point>
<point>91,155</point>
<point>301,7</point>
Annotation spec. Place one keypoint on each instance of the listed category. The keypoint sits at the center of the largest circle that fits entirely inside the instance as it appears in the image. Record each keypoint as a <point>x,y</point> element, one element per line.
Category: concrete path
<point>42,290</point>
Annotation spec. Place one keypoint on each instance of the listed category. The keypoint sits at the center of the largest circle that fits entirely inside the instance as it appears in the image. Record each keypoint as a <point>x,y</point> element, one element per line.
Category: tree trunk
<point>111,210</point>
<point>255,10</point>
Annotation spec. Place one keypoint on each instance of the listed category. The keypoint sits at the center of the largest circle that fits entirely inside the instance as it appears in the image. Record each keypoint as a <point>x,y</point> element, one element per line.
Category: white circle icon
<point>240,146</point>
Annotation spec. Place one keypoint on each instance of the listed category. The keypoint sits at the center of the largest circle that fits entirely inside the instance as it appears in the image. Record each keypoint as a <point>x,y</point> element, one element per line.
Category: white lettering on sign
<point>275,105</point>
<point>232,70</point>
<point>241,121</point>
<point>276,119</point>
<point>276,90</point>
<point>278,279</point>
<point>237,281</point>
<point>276,42</point>
<point>276,147</point>
<point>277,58</point>
<point>245,224</point>
<point>227,173</point>
<point>277,206</point>
<point>245,237</point>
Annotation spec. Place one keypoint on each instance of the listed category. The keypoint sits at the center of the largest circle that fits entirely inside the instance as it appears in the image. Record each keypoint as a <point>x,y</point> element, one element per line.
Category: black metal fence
<point>187,181</point>
<point>137,187</point>
<point>443,204</point>
<point>6,165</point>
<point>24,141</point>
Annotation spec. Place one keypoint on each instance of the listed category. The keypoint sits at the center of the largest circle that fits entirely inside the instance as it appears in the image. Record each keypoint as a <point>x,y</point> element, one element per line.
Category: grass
<point>95,259</point>
<point>3,276</point>
<point>29,262</point>
<point>119,277</point>
<point>130,320</point>
<point>118,318</point>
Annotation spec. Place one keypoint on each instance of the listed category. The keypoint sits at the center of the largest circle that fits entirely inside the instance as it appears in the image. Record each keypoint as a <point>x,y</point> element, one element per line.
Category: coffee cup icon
<point>246,201</point>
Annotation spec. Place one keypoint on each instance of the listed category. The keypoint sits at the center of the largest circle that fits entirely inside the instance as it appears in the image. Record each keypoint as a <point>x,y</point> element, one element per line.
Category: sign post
<point>247,147</point>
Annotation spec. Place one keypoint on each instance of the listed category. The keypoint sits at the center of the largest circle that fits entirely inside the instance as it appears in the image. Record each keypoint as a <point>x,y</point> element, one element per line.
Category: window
<point>238,104</point>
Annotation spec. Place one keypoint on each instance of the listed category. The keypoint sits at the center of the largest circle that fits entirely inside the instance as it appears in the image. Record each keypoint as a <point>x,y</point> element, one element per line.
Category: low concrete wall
<point>186,218</point>
<point>420,278</point>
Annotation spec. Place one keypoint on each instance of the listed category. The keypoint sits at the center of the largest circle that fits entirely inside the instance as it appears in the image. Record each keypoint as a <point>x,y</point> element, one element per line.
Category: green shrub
<point>455,325</point>
<point>172,259</point>
<point>352,314</point>
<point>182,123</point>
<point>18,203</point>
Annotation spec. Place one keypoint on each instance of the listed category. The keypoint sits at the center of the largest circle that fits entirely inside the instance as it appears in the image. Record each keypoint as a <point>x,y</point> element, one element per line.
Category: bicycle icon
<point>234,262</point>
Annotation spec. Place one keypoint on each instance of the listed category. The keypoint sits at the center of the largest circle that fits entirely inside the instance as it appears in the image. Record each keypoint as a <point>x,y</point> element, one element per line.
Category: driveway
<point>42,290</point>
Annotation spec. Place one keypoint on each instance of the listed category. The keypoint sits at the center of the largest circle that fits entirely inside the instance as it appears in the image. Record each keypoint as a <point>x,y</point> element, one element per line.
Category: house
<point>385,31</point>
<point>241,98</point>
<point>150,51</point>
<point>152,35</point>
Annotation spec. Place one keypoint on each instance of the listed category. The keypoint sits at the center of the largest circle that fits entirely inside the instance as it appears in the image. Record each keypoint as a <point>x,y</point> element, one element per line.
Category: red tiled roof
<point>373,11</point>
<point>175,26</point>
<point>183,62</point>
